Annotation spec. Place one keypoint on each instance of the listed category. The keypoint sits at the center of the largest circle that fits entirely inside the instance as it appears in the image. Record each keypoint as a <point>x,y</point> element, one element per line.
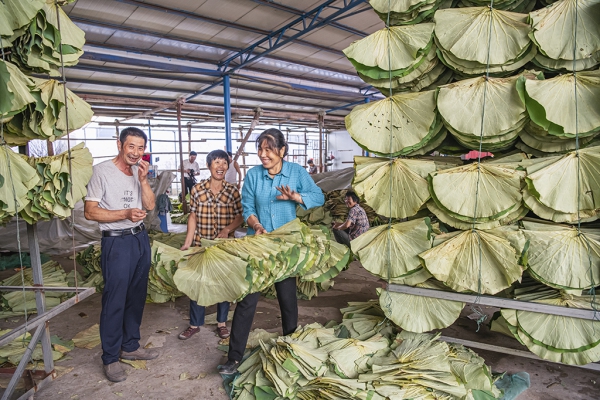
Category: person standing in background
<point>312,168</point>
<point>190,170</point>
<point>234,174</point>
<point>118,196</point>
<point>215,212</point>
<point>270,195</point>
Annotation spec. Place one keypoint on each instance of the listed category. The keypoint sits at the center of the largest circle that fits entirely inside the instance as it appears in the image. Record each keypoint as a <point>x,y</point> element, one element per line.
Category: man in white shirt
<point>190,169</point>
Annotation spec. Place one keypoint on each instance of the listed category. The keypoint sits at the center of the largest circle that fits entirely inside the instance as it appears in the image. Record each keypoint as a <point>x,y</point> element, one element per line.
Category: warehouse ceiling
<point>283,56</point>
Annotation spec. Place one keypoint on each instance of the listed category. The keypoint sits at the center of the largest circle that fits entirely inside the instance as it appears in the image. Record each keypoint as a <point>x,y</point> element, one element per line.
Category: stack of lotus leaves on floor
<point>13,352</point>
<point>166,258</point>
<point>229,269</point>
<point>362,358</point>
<point>19,302</point>
<point>473,227</point>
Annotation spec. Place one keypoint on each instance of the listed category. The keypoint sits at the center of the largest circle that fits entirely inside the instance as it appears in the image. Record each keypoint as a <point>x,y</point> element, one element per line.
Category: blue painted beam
<point>309,21</point>
<point>227,111</point>
<point>91,55</point>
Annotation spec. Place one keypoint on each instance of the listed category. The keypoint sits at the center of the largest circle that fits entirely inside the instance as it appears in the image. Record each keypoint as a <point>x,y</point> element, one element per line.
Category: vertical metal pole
<point>227,110</point>
<point>40,298</point>
<point>50,148</point>
<point>183,188</point>
<point>366,153</point>
<point>305,148</point>
<point>150,139</point>
<point>321,117</point>
<point>189,129</point>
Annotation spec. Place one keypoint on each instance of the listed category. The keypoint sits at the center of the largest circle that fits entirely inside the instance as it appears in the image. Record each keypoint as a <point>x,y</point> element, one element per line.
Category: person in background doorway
<point>215,212</point>
<point>355,225</point>
<point>118,196</point>
<point>164,206</point>
<point>234,174</point>
<point>312,168</point>
<point>270,195</point>
<point>190,170</point>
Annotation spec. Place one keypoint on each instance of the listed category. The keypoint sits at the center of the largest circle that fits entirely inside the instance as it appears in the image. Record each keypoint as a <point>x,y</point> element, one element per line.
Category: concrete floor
<point>199,357</point>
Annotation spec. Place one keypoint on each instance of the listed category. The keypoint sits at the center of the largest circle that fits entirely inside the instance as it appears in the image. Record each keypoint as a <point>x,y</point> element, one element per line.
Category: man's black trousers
<point>125,265</point>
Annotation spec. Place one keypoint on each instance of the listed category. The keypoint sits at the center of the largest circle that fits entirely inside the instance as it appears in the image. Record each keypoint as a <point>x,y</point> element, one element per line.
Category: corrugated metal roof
<point>150,48</point>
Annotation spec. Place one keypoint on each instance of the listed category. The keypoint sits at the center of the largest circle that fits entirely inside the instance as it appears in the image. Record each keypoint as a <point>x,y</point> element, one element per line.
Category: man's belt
<point>124,232</point>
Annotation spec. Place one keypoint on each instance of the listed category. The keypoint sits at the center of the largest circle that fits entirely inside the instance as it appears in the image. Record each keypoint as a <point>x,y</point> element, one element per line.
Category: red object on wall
<point>474,155</point>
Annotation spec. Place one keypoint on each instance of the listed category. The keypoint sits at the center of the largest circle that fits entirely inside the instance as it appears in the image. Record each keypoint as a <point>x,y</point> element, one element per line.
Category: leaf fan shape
<point>464,34</point>
<point>554,30</point>
<point>555,185</point>
<point>456,262</point>
<point>21,176</point>
<point>15,88</point>
<point>396,125</point>
<point>407,12</point>
<point>212,276</point>
<point>390,50</point>
<point>419,313</point>
<point>580,357</point>
<point>15,14</point>
<point>461,105</point>
<point>563,258</point>
<point>393,188</point>
<point>392,252</point>
<point>551,103</point>
<point>498,188</point>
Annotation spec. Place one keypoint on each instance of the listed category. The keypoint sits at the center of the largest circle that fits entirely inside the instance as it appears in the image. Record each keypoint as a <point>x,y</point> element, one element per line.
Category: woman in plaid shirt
<point>215,212</point>
<point>269,197</point>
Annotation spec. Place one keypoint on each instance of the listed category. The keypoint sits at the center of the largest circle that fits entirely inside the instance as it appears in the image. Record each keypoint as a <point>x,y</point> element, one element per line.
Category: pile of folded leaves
<point>36,44</point>
<point>556,338</point>
<point>13,352</point>
<point>63,181</point>
<point>18,302</point>
<point>17,178</point>
<point>362,358</point>
<point>229,269</point>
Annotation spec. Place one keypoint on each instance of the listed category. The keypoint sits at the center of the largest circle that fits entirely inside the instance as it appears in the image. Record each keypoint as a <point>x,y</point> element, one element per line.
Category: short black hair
<point>131,131</point>
<point>230,153</point>
<point>274,139</point>
<point>353,196</point>
<point>215,155</point>
<point>193,153</point>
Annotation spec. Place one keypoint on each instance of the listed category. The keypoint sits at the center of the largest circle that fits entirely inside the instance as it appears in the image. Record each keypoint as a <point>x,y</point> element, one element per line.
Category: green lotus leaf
<point>466,33</point>
<point>393,188</point>
<point>460,260</point>
<point>419,313</point>
<point>392,251</point>
<point>391,49</point>
<point>397,125</point>
<point>554,30</point>
<point>461,105</point>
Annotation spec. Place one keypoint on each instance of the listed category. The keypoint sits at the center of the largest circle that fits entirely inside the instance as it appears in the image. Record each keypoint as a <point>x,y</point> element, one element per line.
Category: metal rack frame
<point>40,322</point>
<point>500,303</point>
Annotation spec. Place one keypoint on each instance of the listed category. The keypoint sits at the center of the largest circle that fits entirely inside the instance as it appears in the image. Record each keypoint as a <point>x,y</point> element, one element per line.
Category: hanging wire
<point>592,291</point>
<point>475,307</point>
<point>64,83</point>
<point>12,184</point>
<point>388,300</point>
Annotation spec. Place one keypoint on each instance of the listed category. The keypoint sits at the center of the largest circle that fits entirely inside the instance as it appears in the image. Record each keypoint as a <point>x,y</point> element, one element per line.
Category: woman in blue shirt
<point>270,194</point>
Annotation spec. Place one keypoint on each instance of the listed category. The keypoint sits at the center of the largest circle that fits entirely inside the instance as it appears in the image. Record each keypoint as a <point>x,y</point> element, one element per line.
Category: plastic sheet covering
<point>56,236</point>
<point>334,180</point>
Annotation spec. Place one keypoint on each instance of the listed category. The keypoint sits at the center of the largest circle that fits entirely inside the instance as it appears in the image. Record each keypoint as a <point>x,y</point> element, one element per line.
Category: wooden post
<point>321,119</point>
<point>189,129</point>
<point>183,189</point>
<point>257,114</point>
<point>50,148</point>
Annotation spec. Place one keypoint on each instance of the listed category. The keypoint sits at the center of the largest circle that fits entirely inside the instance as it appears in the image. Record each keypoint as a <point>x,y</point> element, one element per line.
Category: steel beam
<point>296,11</point>
<point>308,22</point>
<point>12,384</point>
<point>220,22</point>
<point>44,288</point>
<point>227,111</point>
<point>511,352</point>
<point>42,318</point>
<point>40,298</point>
<point>496,302</point>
